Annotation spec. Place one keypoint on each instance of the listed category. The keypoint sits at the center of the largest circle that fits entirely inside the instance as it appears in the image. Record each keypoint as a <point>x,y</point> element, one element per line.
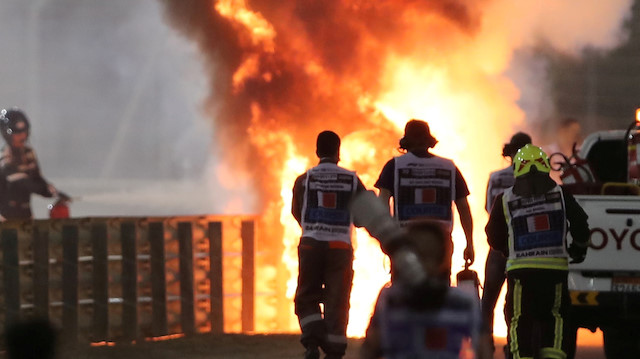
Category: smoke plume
<point>299,65</point>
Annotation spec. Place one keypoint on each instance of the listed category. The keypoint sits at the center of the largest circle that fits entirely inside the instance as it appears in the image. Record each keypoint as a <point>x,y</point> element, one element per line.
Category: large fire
<point>468,112</point>
<point>286,70</point>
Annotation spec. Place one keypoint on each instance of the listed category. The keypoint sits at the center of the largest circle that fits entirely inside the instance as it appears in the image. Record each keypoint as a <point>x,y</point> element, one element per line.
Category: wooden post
<point>215,277</point>
<point>129,281</point>
<point>158,280</point>
<point>11,273</point>
<point>100,281</point>
<point>70,282</point>
<point>248,275</point>
<point>187,315</point>
<point>41,271</point>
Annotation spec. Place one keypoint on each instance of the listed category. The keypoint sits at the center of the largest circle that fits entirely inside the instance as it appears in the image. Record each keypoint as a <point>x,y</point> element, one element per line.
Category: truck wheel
<point>621,341</point>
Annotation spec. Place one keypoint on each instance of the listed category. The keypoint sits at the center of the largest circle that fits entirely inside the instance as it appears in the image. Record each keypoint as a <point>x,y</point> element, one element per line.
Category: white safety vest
<point>446,332</point>
<point>537,230</point>
<point>424,188</point>
<point>498,182</point>
<point>325,208</point>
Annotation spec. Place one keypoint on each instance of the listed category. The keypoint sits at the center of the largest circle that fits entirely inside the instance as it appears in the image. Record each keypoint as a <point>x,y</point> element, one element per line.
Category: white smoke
<point>567,27</point>
<point>115,98</point>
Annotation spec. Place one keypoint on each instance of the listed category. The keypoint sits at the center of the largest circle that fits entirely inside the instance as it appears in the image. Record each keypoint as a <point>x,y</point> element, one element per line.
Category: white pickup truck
<point>605,288</point>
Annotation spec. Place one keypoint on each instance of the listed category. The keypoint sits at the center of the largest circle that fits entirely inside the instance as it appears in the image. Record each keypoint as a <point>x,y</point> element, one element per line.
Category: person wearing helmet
<point>424,186</point>
<point>20,173</point>
<point>320,204</point>
<point>443,322</point>
<point>528,224</point>
<point>494,274</point>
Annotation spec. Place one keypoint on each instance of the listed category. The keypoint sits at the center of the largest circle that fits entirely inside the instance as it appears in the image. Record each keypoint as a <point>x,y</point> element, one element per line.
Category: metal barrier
<point>123,279</point>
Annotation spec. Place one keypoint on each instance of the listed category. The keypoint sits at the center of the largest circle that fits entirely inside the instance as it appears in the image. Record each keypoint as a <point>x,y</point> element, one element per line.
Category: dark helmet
<point>13,121</point>
<point>518,141</point>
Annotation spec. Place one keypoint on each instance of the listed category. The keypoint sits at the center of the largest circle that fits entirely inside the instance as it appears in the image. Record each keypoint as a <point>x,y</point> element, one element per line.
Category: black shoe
<point>312,353</point>
<point>333,356</point>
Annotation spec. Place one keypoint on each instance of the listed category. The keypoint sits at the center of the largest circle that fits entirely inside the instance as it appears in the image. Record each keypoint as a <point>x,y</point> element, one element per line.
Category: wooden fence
<point>124,279</point>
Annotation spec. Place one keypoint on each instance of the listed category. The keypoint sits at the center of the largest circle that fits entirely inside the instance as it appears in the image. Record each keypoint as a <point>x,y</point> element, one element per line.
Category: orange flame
<point>260,30</point>
<point>469,109</point>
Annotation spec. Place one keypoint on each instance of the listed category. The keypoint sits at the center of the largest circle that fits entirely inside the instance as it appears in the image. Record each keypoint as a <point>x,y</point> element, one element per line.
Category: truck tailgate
<point>615,234</point>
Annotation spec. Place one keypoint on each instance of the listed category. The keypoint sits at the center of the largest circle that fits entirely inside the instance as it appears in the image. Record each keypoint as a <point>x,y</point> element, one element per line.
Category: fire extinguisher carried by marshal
<point>60,208</point>
<point>468,280</point>
<point>633,147</point>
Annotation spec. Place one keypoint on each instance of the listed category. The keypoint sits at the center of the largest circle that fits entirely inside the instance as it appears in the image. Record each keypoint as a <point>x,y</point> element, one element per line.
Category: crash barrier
<point>123,279</point>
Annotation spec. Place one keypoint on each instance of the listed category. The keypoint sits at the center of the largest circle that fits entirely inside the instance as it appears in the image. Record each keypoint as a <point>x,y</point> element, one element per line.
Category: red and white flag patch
<point>327,199</point>
<point>538,223</point>
<point>425,195</point>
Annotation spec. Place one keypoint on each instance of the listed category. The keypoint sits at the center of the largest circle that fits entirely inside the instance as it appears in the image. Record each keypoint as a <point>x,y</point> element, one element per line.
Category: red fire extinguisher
<point>633,146</point>
<point>60,209</point>
<point>468,281</point>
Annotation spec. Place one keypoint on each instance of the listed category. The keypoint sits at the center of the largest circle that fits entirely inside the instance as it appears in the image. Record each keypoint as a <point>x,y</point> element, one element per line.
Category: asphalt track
<point>242,346</point>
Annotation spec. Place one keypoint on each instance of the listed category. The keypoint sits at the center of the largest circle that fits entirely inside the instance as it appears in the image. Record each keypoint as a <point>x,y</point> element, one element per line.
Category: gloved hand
<point>577,253</point>
<point>63,196</point>
<point>407,267</point>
